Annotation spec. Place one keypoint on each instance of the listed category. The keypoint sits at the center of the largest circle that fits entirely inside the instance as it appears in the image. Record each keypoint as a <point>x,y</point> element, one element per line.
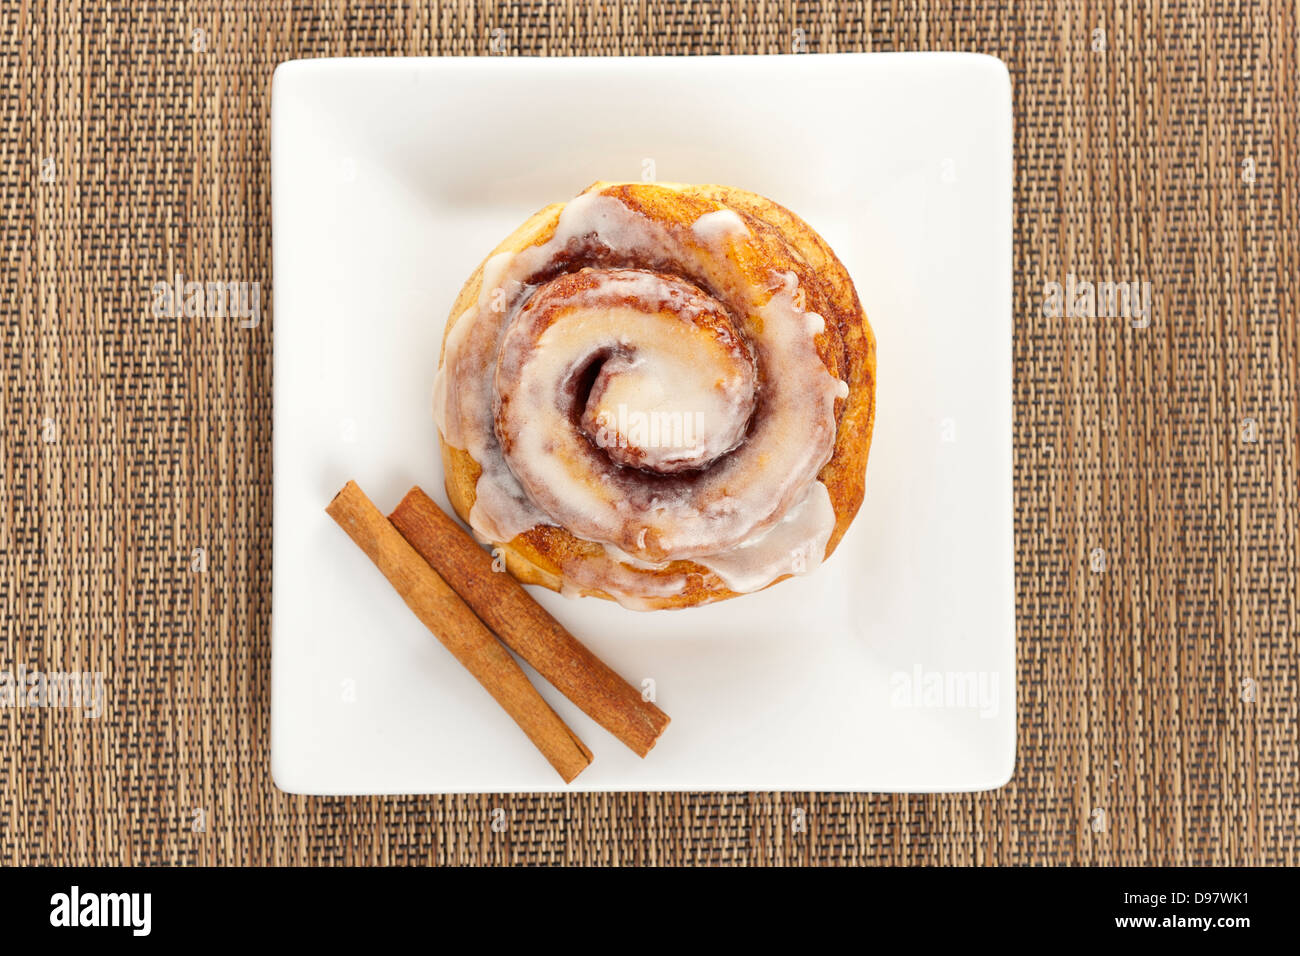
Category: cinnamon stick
<point>460,631</point>
<point>526,627</point>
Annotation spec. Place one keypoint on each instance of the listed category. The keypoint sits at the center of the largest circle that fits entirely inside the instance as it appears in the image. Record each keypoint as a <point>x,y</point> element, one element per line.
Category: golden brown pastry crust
<point>781,242</point>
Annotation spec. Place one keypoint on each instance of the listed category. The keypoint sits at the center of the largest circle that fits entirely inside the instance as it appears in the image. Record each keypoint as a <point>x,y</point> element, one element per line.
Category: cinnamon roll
<point>660,394</point>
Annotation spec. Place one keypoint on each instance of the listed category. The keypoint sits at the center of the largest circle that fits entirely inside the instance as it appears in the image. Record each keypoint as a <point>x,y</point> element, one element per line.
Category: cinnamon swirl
<point>660,394</point>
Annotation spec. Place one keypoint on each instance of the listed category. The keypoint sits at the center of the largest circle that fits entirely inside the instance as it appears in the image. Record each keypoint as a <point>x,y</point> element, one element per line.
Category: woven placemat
<point>1157,697</point>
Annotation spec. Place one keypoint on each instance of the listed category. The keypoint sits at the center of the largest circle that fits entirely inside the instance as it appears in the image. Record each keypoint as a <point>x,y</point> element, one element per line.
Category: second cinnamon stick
<point>525,626</point>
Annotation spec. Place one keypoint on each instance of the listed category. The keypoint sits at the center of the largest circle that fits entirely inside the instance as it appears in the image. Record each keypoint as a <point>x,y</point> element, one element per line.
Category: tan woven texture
<point>135,145</point>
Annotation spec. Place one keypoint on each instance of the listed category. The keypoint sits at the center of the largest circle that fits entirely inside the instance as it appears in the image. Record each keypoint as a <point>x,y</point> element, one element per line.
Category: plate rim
<point>307,68</point>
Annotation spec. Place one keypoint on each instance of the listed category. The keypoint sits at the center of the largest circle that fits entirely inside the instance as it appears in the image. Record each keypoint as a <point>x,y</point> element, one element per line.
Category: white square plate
<point>892,667</point>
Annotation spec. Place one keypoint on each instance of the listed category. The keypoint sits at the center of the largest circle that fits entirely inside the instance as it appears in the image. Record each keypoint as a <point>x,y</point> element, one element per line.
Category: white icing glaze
<point>794,545</point>
<point>661,363</point>
<point>621,581</point>
<point>749,509</point>
<point>720,227</point>
<point>676,418</point>
<point>445,411</point>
